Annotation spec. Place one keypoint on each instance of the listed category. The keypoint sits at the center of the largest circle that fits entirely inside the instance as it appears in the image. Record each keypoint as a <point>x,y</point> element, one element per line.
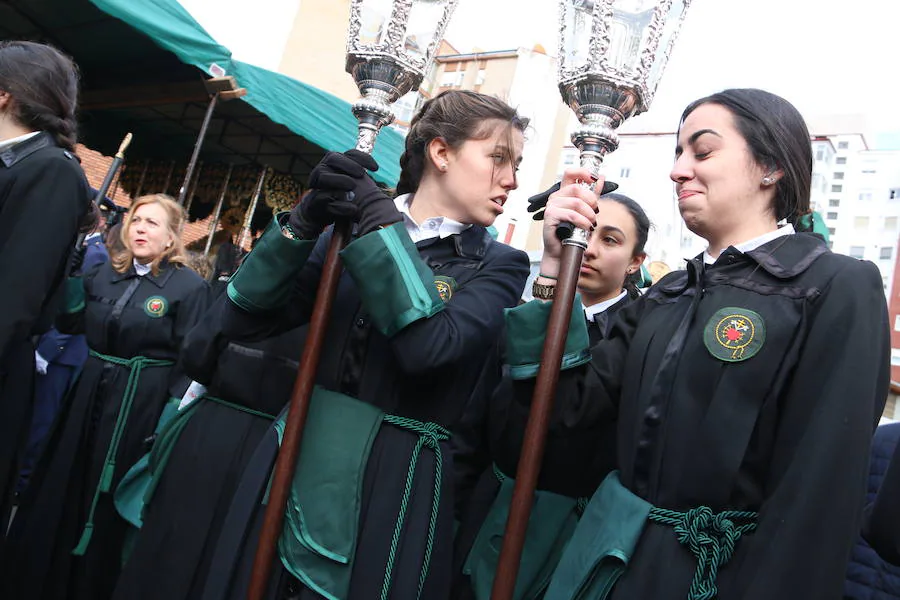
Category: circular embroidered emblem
<point>156,306</point>
<point>734,334</point>
<point>445,286</point>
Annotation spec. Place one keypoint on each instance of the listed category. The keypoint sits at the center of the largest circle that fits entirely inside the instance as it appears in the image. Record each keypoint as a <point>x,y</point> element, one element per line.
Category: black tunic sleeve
<point>38,223</point>
<point>471,320</point>
<point>241,325</point>
<point>882,526</point>
<point>817,477</point>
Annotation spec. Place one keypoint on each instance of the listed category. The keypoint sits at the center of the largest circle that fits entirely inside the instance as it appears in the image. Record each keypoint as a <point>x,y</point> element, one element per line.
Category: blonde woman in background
<point>67,539</point>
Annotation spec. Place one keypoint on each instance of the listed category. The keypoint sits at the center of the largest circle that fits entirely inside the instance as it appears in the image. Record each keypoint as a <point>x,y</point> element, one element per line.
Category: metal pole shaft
<point>248,218</point>
<point>182,192</point>
<point>190,197</point>
<point>218,212</point>
<point>140,185</point>
<point>168,178</point>
<point>536,430</point>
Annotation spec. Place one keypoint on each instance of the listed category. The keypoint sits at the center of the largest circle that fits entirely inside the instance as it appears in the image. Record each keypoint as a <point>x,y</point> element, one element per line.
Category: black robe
<point>181,526</point>
<point>490,433</point>
<point>425,372</point>
<point>122,319</point>
<point>784,432</point>
<point>43,196</point>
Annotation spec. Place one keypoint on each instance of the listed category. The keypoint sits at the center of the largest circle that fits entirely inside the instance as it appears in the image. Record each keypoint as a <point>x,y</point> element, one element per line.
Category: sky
<point>826,57</point>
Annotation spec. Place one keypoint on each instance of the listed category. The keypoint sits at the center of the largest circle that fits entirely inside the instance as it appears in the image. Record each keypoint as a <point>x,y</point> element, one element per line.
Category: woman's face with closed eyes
<point>717,180</point>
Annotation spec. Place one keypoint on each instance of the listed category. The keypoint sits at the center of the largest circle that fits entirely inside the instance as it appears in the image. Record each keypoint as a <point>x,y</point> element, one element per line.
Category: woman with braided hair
<point>44,199</point>
<point>417,307</point>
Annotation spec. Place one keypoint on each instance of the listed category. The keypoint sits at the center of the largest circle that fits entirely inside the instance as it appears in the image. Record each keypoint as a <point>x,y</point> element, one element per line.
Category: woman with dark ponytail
<point>44,198</point>
<point>417,308</point>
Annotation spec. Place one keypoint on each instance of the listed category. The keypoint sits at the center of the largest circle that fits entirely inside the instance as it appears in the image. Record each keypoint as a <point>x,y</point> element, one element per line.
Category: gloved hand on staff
<point>538,202</point>
<point>341,188</point>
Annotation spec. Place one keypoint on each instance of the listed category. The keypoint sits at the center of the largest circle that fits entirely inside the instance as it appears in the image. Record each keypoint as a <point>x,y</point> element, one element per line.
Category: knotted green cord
<point>135,366</point>
<point>430,435</point>
<point>711,538</point>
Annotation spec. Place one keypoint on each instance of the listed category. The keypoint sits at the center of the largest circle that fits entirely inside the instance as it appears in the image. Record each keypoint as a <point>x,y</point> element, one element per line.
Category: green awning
<point>318,116</point>
<point>142,65</point>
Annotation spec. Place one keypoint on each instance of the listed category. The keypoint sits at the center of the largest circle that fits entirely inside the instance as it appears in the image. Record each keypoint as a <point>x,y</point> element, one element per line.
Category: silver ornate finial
<point>390,46</point>
<point>612,54</point>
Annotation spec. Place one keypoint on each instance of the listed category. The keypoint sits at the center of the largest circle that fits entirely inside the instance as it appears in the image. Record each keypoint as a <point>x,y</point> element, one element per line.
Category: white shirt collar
<point>755,242</point>
<point>595,309</point>
<point>13,141</point>
<point>429,228</point>
<point>140,269</point>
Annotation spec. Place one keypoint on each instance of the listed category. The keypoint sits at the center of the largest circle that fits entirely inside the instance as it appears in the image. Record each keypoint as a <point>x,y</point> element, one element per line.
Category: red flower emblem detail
<point>733,335</point>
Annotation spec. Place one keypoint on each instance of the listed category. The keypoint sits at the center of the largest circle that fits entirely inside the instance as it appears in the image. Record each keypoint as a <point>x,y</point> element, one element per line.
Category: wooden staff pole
<point>536,430</point>
<point>297,413</point>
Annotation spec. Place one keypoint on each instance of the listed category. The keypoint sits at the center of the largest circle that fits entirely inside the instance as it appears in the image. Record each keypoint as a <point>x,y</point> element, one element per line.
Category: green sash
<point>135,366</point>
<point>550,526</point>
<point>605,539</point>
<point>318,540</point>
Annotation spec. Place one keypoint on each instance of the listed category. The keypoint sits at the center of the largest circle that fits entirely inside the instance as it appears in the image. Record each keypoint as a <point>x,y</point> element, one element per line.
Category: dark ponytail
<point>455,116</point>
<point>43,85</point>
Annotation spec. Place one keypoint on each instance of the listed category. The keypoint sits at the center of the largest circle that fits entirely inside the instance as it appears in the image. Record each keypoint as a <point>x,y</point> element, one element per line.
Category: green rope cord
<point>711,538</point>
<point>135,366</point>
<point>430,435</point>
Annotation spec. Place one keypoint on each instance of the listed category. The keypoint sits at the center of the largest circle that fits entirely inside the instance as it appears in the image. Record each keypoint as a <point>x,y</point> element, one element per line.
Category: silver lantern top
<point>612,54</point>
<point>390,46</point>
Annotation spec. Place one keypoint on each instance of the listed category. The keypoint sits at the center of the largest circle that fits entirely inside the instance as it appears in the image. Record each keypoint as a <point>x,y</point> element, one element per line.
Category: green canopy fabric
<point>318,116</point>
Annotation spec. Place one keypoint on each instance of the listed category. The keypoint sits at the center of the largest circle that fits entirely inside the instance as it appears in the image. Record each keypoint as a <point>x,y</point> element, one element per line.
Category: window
<point>897,323</point>
<point>830,245</point>
<point>838,175</point>
<point>868,171</point>
<point>447,78</point>
<point>895,357</point>
<point>895,194</point>
<point>890,223</point>
<point>865,196</point>
<point>837,189</point>
<point>625,172</point>
<point>831,231</point>
<point>841,160</point>
<point>843,145</point>
<point>569,159</point>
<point>832,216</point>
<point>820,153</point>
<point>479,79</point>
<point>887,253</point>
<point>857,251</point>
<point>861,222</point>
<point>834,203</point>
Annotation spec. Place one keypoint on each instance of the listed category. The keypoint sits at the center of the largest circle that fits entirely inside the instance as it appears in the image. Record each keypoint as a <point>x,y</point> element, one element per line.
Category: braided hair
<point>43,84</point>
<point>455,116</point>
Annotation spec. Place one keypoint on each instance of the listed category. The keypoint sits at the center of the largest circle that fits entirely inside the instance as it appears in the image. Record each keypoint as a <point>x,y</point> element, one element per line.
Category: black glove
<point>76,260</point>
<point>347,172</point>
<point>537,202</point>
<point>330,197</point>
